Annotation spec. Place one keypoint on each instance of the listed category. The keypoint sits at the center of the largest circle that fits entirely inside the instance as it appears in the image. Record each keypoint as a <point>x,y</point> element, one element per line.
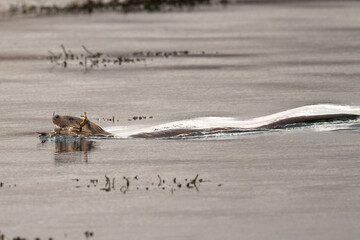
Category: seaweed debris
<point>135,184</point>
<point>113,119</point>
<point>124,6</point>
<point>89,59</point>
<point>87,234</point>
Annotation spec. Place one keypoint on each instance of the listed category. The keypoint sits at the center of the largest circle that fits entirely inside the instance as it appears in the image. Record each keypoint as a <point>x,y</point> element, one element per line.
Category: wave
<point>322,117</point>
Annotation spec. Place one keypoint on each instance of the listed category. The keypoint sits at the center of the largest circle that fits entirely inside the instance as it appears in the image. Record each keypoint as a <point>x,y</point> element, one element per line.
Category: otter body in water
<point>83,127</point>
<point>78,126</point>
<point>277,124</point>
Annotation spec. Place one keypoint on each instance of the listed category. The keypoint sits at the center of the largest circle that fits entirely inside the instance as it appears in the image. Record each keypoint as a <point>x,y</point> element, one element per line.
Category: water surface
<point>259,60</point>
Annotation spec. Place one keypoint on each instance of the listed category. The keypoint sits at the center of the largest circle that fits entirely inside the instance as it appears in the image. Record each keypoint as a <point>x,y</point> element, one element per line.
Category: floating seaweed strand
<point>90,59</point>
<point>126,6</point>
<point>174,185</point>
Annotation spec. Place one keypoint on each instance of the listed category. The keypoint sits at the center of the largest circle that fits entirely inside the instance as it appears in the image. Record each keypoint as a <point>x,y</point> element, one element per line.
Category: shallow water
<point>259,60</point>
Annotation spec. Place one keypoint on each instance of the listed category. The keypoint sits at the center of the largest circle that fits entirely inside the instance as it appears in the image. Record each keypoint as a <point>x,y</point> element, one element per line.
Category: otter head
<point>67,124</point>
<point>66,121</point>
<point>76,125</point>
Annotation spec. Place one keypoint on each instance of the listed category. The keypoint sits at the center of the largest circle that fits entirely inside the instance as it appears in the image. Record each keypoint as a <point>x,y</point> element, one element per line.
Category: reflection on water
<point>71,157</point>
<point>76,145</point>
<point>73,151</point>
<point>69,149</point>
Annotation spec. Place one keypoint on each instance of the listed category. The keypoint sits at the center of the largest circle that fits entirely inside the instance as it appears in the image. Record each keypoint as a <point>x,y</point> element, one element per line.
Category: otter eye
<point>56,116</point>
<point>71,119</point>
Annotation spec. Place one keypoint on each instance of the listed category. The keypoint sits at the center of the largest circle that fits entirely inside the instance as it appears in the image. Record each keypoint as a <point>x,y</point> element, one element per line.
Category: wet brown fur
<point>71,125</point>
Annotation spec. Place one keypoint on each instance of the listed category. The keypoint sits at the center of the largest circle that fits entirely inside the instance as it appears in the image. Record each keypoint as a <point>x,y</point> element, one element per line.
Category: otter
<point>83,127</point>
<point>78,126</point>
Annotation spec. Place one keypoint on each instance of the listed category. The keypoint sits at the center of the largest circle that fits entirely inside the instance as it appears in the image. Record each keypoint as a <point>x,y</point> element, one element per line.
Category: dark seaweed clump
<point>88,234</point>
<point>90,6</point>
<point>135,183</point>
<point>142,117</point>
<point>90,59</point>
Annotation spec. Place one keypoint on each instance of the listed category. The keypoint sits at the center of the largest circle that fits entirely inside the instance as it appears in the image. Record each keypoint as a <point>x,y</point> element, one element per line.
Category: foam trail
<point>235,123</point>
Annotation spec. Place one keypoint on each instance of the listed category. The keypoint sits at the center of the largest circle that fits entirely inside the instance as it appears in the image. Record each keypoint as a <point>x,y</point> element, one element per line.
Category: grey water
<point>244,61</point>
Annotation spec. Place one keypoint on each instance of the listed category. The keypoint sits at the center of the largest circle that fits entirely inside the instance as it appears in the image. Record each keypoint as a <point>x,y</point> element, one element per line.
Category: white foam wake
<point>227,122</point>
